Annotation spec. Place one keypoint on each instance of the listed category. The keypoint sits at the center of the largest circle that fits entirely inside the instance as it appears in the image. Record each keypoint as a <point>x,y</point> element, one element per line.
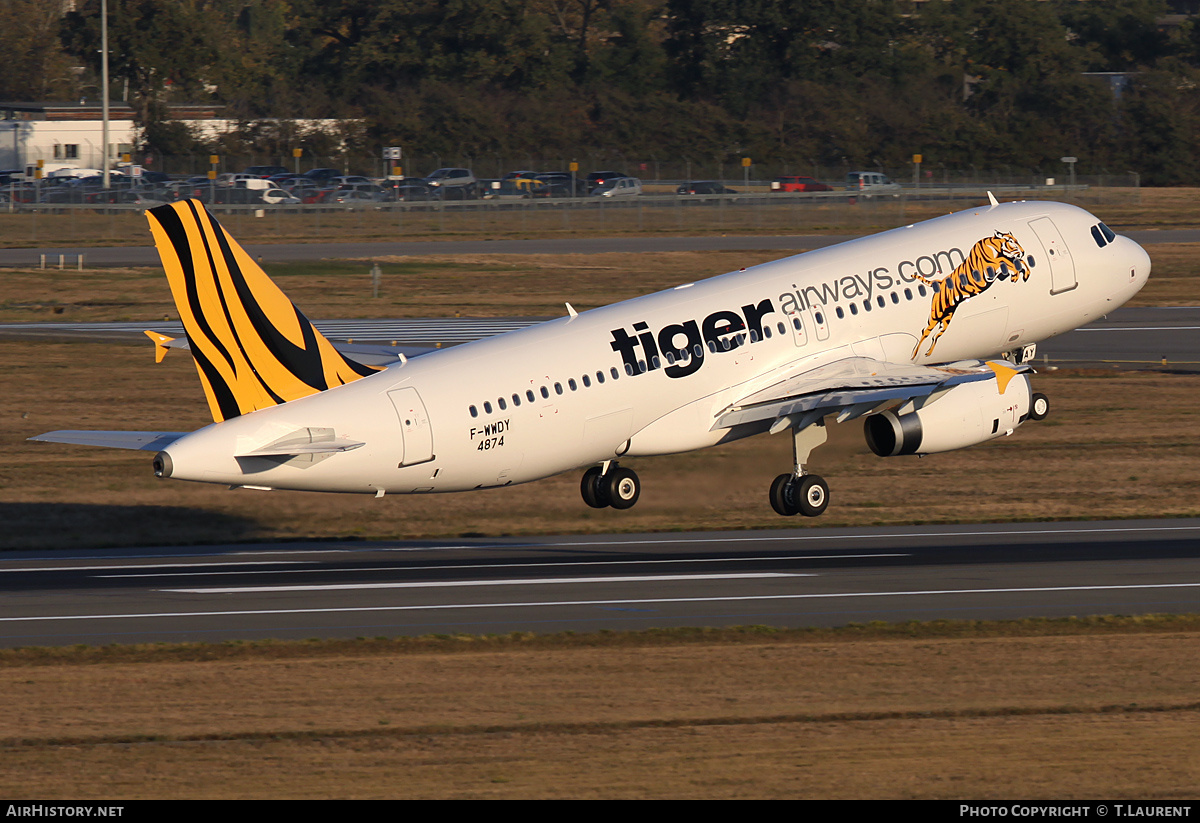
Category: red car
<point>792,183</point>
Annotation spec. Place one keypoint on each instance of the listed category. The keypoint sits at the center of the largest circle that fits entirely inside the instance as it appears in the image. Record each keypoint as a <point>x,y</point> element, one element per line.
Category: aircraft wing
<point>142,441</point>
<point>853,387</point>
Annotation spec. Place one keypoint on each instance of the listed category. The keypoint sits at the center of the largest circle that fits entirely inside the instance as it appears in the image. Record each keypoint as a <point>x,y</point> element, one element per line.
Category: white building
<point>71,133</point>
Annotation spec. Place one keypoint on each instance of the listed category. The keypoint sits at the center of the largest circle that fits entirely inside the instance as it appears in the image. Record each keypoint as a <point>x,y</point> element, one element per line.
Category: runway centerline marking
<point>623,602</point>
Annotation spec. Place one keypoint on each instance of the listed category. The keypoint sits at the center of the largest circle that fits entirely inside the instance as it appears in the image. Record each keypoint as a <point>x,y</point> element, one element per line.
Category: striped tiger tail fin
<point>253,348</point>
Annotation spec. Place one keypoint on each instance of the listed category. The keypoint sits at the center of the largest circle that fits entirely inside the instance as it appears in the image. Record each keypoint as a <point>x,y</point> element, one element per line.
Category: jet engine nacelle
<point>966,415</point>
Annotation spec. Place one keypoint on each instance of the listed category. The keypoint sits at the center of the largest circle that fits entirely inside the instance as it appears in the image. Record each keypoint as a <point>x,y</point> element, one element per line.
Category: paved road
<point>291,252</point>
<point>801,577</point>
<point>1127,338</point>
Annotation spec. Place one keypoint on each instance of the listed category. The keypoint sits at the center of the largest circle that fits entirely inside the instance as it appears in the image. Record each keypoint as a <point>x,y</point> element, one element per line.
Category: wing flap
<point>141,441</point>
<point>853,386</point>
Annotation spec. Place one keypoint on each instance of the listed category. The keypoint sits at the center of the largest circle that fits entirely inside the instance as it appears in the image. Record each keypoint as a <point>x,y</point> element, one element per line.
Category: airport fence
<point>658,211</point>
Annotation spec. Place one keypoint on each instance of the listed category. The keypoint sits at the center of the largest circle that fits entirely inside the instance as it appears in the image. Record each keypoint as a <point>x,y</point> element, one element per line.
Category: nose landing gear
<point>610,485</point>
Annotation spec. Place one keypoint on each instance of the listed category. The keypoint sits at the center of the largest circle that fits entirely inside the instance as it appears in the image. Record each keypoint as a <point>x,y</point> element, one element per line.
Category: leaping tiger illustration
<point>999,257</point>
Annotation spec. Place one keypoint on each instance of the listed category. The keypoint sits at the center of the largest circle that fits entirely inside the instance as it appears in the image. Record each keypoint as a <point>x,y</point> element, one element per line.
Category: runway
<point>102,256</point>
<point>800,577</point>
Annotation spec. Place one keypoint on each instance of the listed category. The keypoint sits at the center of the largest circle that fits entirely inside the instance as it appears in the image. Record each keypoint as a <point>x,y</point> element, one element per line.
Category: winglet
<point>253,348</point>
<point>161,344</point>
<point>992,199</point>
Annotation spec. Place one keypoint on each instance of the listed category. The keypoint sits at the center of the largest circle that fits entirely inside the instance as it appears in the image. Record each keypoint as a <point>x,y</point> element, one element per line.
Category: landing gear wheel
<point>622,488</point>
<point>807,495</point>
<point>592,488</point>
<point>1039,407</point>
<point>782,499</point>
<point>812,495</point>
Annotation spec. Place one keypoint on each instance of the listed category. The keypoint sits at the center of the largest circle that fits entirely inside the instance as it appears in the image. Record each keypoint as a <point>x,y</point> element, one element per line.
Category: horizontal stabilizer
<point>305,441</point>
<point>367,354</point>
<point>141,441</point>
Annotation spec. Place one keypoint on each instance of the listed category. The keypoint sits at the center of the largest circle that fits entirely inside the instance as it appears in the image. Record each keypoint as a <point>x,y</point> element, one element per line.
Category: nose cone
<point>1134,270</point>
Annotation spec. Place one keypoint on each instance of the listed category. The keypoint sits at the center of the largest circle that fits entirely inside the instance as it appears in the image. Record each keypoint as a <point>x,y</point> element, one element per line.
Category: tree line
<point>867,83</point>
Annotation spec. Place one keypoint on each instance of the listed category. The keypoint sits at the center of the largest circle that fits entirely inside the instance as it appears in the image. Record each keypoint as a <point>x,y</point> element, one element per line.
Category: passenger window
<point>615,374</point>
<point>854,308</point>
<point>545,393</point>
<point>503,405</point>
<point>529,394</point>
<point>487,407</point>
<point>587,382</point>
<point>571,383</point>
<point>516,400</point>
<point>599,377</point>
<point>782,328</point>
<point>841,314</point>
<point>474,412</point>
<point>558,389</point>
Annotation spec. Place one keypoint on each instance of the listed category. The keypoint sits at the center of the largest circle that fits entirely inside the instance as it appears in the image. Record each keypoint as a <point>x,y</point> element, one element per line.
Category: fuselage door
<point>414,423</point>
<point>820,322</point>
<point>1062,267</point>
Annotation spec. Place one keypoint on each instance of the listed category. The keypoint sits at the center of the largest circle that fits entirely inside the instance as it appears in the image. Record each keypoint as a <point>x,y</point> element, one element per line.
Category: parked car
<point>518,188</point>
<point>704,187</point>
<point>355,197</point>
<point>265,171</point>
<point>598,178</point>
<point>618,187</point>
<point>794,183</point>
<point>871,183</point>
<point>564,184</point>
<point>322,174</point>
<point>413,190</point>
<point>453,179</point>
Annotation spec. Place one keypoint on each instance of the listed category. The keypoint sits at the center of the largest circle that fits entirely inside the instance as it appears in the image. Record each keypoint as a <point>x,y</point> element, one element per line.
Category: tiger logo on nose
<point>999,257</point>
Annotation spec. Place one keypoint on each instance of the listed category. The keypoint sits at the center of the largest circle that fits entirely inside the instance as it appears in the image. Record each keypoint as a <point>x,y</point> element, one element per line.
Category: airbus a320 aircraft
<point>925,331</point>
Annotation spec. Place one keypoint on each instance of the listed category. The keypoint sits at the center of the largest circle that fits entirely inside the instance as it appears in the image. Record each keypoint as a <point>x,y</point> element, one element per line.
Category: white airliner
<point>925,330</point>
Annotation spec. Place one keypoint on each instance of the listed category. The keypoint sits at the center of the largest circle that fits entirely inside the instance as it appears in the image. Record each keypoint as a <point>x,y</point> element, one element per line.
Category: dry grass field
<point>1055,710</point>
<point>1088,711</point>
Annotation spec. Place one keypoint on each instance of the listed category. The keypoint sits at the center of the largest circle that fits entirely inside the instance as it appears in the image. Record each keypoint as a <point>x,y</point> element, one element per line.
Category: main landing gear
<point>801,492</point>
<point>610,485</point>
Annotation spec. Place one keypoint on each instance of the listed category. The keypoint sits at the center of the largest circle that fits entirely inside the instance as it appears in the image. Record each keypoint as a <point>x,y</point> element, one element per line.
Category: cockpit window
<point>1108,233</point>
<point>1098,237</point>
